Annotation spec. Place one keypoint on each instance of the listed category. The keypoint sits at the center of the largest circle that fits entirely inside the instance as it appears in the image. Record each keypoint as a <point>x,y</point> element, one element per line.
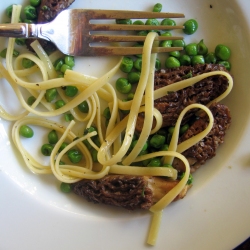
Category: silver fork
<point>71,31</point>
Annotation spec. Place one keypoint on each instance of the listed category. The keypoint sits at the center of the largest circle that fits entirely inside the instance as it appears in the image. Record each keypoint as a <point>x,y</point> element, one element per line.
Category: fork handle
<point>21,30</point>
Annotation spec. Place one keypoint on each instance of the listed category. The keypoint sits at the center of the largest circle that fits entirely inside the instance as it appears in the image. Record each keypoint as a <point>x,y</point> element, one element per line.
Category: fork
<point>74,34</point>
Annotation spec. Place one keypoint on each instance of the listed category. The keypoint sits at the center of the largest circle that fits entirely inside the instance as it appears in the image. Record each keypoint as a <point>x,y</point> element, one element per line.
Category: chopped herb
<point>189,75</point>
<point>143,192</point>
<point>45,7</point>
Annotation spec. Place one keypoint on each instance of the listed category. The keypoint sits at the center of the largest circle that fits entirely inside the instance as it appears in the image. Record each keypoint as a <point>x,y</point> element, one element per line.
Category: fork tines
<point>127,38</point>
<point>90,31</point>
<point>125,14</point>
<point>120,14</point>
<point>122,51</point>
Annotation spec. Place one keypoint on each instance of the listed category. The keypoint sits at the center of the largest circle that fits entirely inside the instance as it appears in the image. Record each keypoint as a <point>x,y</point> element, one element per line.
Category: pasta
<point>112,150</point>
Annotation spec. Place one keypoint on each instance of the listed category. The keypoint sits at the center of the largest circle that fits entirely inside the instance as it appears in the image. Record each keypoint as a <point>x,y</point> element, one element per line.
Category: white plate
<point>34,214</point>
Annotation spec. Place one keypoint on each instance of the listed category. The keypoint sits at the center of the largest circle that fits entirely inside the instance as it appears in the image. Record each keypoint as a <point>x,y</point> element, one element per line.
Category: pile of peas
<point>193,53</point>
<point>156,142</point>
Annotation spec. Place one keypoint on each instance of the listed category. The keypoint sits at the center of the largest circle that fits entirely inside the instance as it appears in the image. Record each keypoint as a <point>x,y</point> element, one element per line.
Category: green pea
<point>89,130</point>
<point>87,144</point>
<point>68,117</point>
<point>157,141</point>
<point>198,59</point>
<point>71,91</point>
<point>222,52</point>
<point>130,96</point>
<point>140,46</point>
<point>134,142</point>
<point>154,162</point>
<point>58,64</point>
<point>70,61</point>
<point>30,12</point>
<point>210,58</point>
<point>35,3</point>
<point>190,27</point>
<point>63,146</point>
<point>175,54</point>
<point>184,128</point>
<point>9,10</point>
<point>138,64</point>
<point>145,162</point>
<point>65,67</point>
<point>4,52</point>
<point>28,21</point>
<point>190,178</point>
<point>191,49</point>
<point>125,112</point>
<point>138,22</point>
<point>167,165</point>
<point>141,33</point>
<point>123,21</point>
<point>20,41</point>
<point>226,64</point>
<point>167,33</point>
<point>74,155</point>
<point>184,60</point>
<point>123,86</point>
<point>178,43</point>
<point>96,140</point>
<point>60,75</point>
<point>53,137</point>
<point>106,113</point>
<point>168,21</point>
<point>94,153</point>
<point>202,48</point>
<point>65,187</point>
<point>46,149</point>
<point>164,147</point>
<point>31,99</point>
<point>162,131</point>
<point>157,64</point>
<point>16,53</point>
<point>26,131</point>
<point>83,107</point>
<point>134,77</point>
<point>51,94</point>
<point>126,64</point>
<point>157,7</point>
<point>166,43</point>
<point>172,62</point>
<point>27,63</point>
<point>59,104</point>
<point>171,130</point>
<point>152,21</point>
